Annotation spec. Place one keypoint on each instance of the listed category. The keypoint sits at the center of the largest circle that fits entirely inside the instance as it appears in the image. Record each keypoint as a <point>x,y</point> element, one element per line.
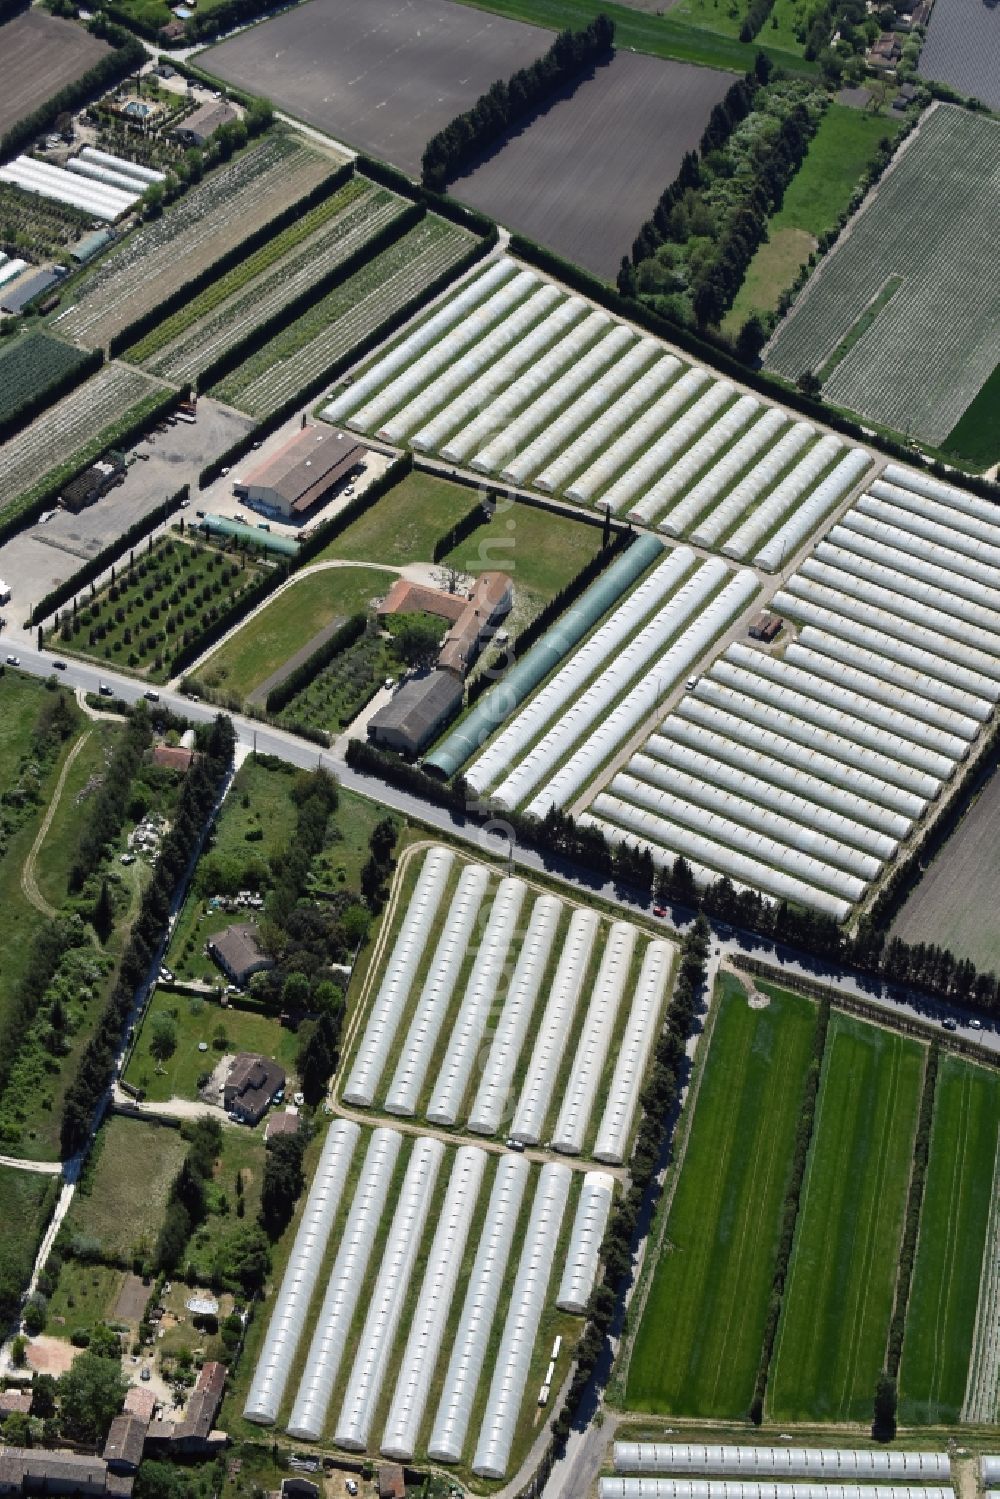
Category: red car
<point>659,910</point>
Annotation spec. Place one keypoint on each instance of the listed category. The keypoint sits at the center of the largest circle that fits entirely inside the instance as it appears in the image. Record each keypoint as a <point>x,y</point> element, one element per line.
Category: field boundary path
<point>259,694</point>
<point>980,1404</point>
<point>29,884</point>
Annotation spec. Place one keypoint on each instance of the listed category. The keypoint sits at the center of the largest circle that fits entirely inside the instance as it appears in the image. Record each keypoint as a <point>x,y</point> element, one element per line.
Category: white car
<point>13,660</point>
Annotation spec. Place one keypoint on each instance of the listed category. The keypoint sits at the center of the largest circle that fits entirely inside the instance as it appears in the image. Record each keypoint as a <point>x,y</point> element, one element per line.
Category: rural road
<point>29,884</point>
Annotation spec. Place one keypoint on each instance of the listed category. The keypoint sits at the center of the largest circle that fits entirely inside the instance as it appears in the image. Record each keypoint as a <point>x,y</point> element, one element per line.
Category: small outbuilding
<point>126,1439</point>
<point>287,1122</point>
<point>765,626</point>
<point>238,952</point>
<point>417,712</point>
<point>391,1482</point>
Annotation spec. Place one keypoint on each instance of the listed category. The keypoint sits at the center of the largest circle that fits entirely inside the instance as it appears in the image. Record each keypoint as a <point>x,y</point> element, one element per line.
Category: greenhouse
<point>637,1042</point>
<point>682,471</point>
<point>437,990</point>
<point>641,474</point>
<point>734,1488</point>
<point>635,433</point>
<point>702,495</point>
<point>749,489</point>
<point>844,1463</point>
<point>580,1271</point>
<point>468,1354</point>
<point>599,1023</point>
<point>806,516</point>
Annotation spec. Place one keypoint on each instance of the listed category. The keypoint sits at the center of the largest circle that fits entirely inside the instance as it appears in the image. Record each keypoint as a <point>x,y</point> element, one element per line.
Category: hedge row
<point>457,533</point>
<point>757,13</point>
<point>340,640</point>
<point>566,596</point>
<point>104,559</point>
<point>39,400</point>
<point>439,203</point>
<point>720,357</point>
<point>914,1202</point>
<point>363,347</point>
<point>24,512</point>
<point>109,70</point>
<point>147,321</point>
<point>790,1207</point>
<point>269,326</point>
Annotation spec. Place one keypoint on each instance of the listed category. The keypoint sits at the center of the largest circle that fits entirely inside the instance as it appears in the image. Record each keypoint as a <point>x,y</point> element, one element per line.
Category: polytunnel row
<point>799,776</point>
<point>843,1463</point>
<point>606,690</point>
<point>516,378</point>
<point>390,1249</point>
<point>732,1488</point>
<point>501,936</point>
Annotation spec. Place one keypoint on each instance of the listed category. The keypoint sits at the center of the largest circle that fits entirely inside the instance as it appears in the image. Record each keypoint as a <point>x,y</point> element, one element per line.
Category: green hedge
<point>104,559</point>
<point>296,680</point>
<point>269,326</point>
<point>133,332</point>
<point>914,1203</point>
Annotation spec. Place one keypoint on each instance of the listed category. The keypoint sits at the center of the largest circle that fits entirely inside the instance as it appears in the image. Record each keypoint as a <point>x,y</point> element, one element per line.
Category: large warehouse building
<point>302,473</point>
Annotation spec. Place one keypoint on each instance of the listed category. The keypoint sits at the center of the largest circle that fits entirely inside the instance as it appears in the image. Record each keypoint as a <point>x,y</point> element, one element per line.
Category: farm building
<point>238,953</point>
<point>94,482</point>
<point>391,1484</point>
<point>140,1401</point>
<point>764,626</point>
<point>303,472</point>
<point>202,125</point>
<point>405,597</point>
<point>25,289</point>
<point>126,1438</point>
<point>287,1122</point>
<point>91,245</point>
<point>173,757</point>
<point>15,1402</point>
<point>470,616</point>
<point>252,1083</point>
<point>36,1470</point>
<point>195,1430</point>
<point>417,711</point>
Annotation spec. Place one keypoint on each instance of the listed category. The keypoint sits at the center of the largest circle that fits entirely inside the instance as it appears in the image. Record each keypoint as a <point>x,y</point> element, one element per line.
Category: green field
<point>121,1198</point>
<point>660,35</point>
<point>159,603</point>
<point>31,365</point>
<point>541,550</point>
<point>405,523</point>
<point>845,142</point>
<point>975,437</point>
<point>941,1314</point>
<point>288,623</point>
<point>698,1346</point>
<point>201,1022</point>
<point>839,1294</point>
<point>26,1203</point>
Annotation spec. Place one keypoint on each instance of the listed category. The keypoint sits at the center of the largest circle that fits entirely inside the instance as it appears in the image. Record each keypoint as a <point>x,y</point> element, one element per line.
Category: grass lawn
<point>941,1314</point>
<point>86,1295</point>
<point>541,550</point>
<point>243,1154</point>
<point>166,597</point>
<point>58,848</point>
<point>290,622</point>
<point>975,437</point>
<point>121,1198</point>
<point>26,1203</point>
<point>201,1022</point>
<point>698,1346</point>
<point>817,195</point>
<point>688,39</point>
<point>405,523</point>
<point>839,1293</point>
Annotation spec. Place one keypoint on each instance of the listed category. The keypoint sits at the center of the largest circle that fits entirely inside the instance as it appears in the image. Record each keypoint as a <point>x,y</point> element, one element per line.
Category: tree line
<point>201,788</point>
<point>505,105</point>
<point>109,808</point>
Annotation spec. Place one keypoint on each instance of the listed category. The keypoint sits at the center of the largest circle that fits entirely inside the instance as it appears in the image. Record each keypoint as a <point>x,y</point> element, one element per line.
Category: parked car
<point>975,1025</point>
<point>59,665</point>
<point>154,697</point>
<point>105,690</point>
<point>659,911</point>
<point>950,1024</point>
<point>13,660</point>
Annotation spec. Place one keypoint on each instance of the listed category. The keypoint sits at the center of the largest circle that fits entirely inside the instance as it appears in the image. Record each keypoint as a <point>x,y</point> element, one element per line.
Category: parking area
<point>39,558</point>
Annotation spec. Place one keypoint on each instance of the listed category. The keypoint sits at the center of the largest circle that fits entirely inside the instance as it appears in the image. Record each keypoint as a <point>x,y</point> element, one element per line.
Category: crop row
<point>342,319</point>
<point>166,252</point>
<point>75,421</point>
<point>232,321</point>
<point>251,266</point>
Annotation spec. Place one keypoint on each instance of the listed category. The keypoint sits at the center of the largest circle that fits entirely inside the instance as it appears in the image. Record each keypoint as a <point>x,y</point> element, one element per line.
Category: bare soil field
<point>383,75</point>
<point>953,904</point>
<point>963,48</point>
<point>585,174</point>
<point>39,55</point>
<point>167,252</point>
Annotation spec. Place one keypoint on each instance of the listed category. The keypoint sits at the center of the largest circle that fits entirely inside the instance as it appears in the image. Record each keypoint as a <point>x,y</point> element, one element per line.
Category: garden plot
<point>220,326</point>
<point>518,380</point>
<point>412,1260</point>
<point>496,1008</point>
<point>547,754</point>
<point>79,421</point>
<point>907,340</point>
<point>350,314</point>
<point>801,776</point>
<point>30,366</point>
<point>155,261</point>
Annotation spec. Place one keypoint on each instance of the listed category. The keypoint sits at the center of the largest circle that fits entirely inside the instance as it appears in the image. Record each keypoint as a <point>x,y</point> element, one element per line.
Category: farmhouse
<point>194,1432</point>
<point>417,711</point>
<point>202,125</point>
<point>123,1448</point>
<point>251,1085</point>
<point>303,472</point>
<point>470,617</point>
<point>36,1470</point>
<point>238,953</point>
